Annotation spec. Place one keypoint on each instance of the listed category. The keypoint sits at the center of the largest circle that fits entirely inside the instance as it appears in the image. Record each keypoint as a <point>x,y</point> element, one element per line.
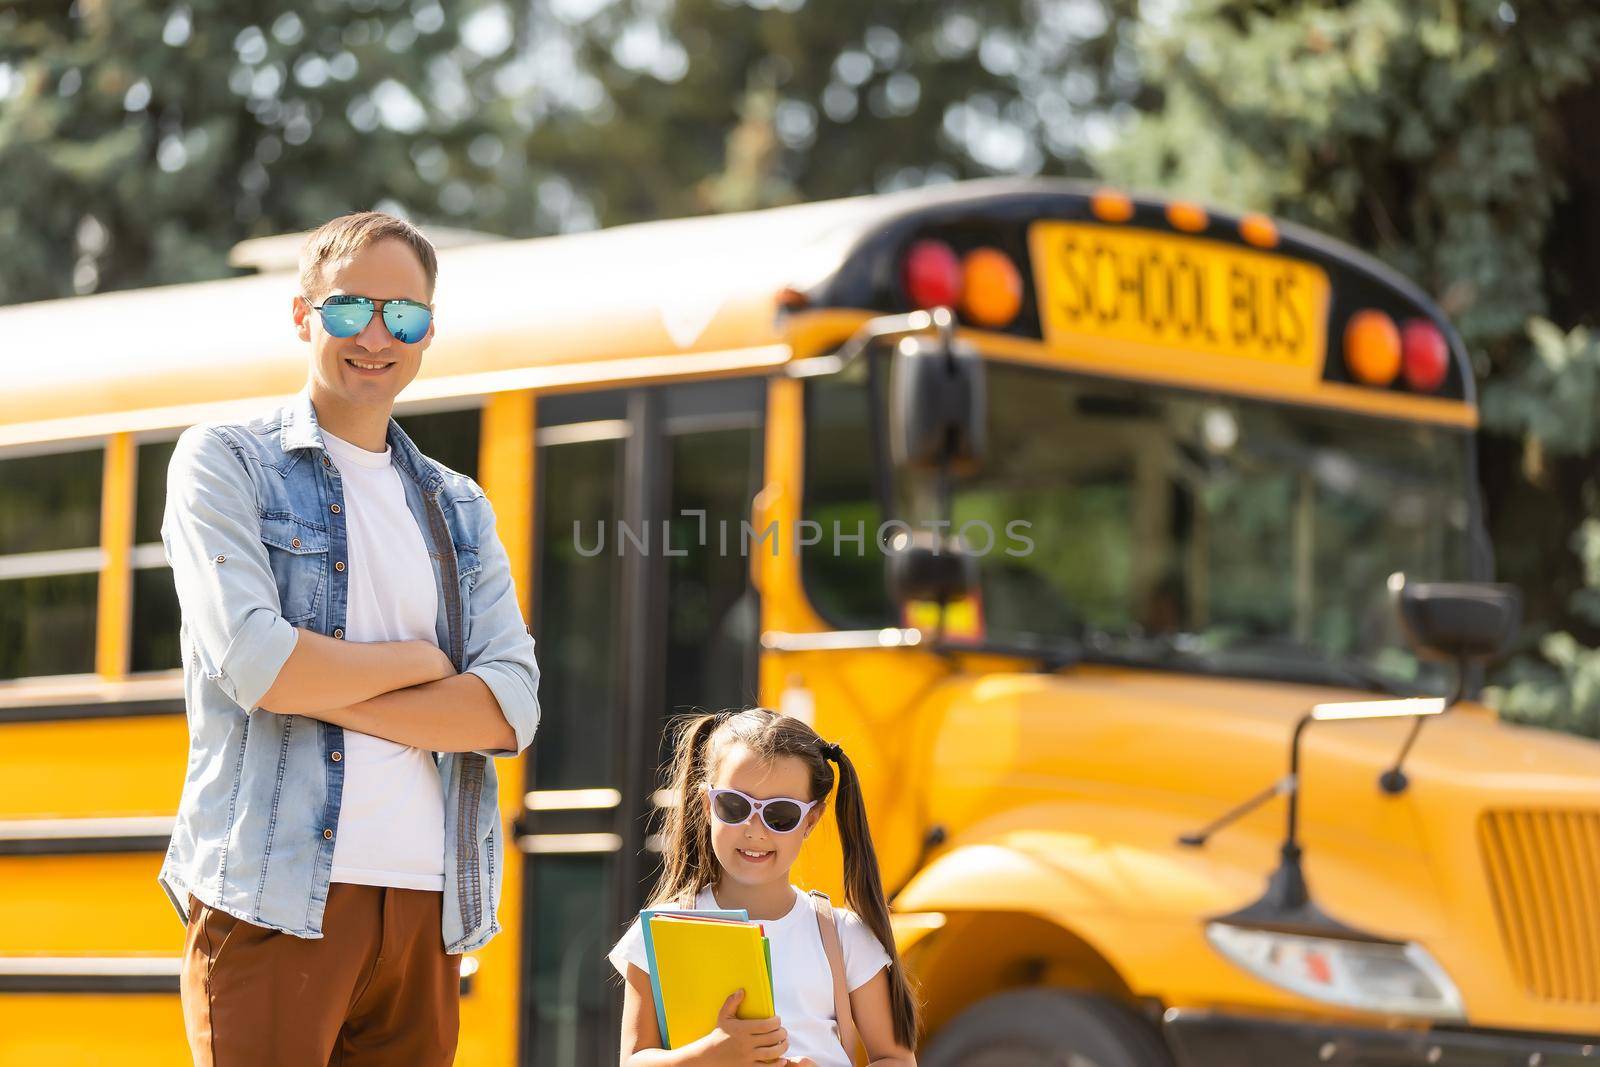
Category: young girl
<point>749,787</point>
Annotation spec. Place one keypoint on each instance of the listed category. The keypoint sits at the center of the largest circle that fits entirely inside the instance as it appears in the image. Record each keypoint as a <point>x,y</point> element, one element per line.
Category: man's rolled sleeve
<point>499,646</point>
<point>255,656</point>
<point>211,531</point>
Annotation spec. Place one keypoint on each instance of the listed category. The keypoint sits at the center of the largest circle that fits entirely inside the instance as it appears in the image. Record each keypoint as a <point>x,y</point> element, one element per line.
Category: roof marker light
<point>1109,205</point>
<point>1259,230</point>
<point>1186,216</point>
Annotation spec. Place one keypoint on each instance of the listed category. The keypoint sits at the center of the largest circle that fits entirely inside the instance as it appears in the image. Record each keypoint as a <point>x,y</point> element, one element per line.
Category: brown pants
<point>376,989</point>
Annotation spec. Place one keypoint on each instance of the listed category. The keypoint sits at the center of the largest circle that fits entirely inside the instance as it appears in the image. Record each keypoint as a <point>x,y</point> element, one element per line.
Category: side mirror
<point>1459,622</point>
<point>923,566</point>
<point>937,406</point>
<point>1464,623</point>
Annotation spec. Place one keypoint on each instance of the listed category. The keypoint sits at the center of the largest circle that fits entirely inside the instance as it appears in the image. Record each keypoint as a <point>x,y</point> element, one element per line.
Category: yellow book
<point>696,965</point>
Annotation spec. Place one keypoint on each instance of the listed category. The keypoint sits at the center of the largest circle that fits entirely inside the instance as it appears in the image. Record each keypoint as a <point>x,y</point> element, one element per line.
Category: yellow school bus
<point>1060,509</point>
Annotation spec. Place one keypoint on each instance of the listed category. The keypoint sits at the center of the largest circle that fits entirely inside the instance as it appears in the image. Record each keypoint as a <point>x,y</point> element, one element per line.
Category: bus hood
<point>1177,732</point>
<point>1110,761</point>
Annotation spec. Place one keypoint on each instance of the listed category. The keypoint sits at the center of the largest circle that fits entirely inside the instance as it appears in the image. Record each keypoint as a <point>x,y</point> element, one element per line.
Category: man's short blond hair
<point>338,239</point>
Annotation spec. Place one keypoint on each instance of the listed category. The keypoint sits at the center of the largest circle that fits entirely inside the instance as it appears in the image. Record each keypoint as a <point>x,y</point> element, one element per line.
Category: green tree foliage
<point>140,140</point>
<point>1458,140</point>
<point>1550,400</point>
<point>699,105</point>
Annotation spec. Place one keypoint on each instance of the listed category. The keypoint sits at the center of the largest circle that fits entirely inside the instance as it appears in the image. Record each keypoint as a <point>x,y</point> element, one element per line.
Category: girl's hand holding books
<point>741,1042</point>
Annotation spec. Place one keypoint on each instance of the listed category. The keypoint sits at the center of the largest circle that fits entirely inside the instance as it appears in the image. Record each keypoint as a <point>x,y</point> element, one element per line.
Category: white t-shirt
<point>801,978</point>
<point>391,817</point>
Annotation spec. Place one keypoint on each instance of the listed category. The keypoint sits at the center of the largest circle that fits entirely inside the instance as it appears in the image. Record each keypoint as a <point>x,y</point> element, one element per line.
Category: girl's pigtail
<point>688,865</point>
<point>864,892</point>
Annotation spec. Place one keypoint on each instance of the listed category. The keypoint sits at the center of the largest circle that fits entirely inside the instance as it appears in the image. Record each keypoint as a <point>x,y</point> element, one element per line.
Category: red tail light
<point>932,274</point>
<point>1424,355</point>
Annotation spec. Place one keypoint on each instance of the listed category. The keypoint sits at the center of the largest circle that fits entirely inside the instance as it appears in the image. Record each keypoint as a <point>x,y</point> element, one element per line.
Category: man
<point>353,653</point>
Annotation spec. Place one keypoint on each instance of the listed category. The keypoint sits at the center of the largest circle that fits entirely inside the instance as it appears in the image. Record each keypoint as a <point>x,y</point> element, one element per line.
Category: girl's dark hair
<point>690,865</point>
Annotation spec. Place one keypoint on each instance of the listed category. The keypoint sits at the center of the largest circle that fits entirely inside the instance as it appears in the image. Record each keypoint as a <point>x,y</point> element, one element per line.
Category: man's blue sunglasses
<point>344,315</point>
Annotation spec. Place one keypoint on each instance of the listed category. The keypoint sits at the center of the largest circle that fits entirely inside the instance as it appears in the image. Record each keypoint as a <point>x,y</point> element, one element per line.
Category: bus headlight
<point>1395,979</point>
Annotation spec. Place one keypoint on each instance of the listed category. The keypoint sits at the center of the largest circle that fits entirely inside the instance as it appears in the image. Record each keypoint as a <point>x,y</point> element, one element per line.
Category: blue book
<point>650,952</point>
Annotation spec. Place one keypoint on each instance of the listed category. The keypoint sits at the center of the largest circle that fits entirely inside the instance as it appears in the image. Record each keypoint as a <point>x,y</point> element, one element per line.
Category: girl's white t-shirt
<point>391,815</point>
<point>801,978</point>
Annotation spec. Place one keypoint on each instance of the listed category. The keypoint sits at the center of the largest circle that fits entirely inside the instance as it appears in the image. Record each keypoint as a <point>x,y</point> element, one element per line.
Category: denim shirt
<point>254,526</point>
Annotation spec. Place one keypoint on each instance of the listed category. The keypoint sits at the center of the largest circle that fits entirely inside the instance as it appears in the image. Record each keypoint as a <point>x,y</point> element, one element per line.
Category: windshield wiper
<point>1279,659</point>
<point>1317,663</point>
<point>1061,652</point>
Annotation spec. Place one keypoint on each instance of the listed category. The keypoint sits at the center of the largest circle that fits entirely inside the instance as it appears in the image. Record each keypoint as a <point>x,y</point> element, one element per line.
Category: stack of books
<point>697,960</point>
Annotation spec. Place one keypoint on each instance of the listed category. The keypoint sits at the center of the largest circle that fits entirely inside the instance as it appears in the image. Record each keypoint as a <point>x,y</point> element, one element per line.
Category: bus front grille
<point>1544,873</point>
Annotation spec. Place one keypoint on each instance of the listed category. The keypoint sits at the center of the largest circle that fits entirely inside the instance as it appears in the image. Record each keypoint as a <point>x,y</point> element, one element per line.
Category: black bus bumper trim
<point>1211,1039</point>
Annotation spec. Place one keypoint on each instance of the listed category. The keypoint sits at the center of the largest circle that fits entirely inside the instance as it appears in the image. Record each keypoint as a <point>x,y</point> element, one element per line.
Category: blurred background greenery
<point>1459,140</point>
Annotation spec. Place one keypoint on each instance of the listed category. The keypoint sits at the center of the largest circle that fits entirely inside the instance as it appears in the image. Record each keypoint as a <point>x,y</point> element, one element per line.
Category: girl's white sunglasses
<point>781,814</point>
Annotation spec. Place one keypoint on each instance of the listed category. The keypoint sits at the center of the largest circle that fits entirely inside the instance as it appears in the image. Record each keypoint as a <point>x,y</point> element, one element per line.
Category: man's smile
<point>369,366</point>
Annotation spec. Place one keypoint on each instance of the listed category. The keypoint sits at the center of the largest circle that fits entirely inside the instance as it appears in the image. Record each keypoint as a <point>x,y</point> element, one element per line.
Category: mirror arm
<point>1199,837</point>
<point>1394,781</point>
<point>1289,784</point>
<point>945,324</point>
<point>881,328</point>
<point>1291,834</point>
<point>883,474</point>
<point>884,327</point>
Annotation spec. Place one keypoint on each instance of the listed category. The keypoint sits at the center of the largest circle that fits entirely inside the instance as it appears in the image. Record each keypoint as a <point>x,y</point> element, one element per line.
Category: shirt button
<point>328,834</point>
<point>339,566</point>
<point>294,542</point>
<point>221,558</point>
<point>325,462</point>
<point>335,509</point>
<point>336,757</point>
<point>338,632</point>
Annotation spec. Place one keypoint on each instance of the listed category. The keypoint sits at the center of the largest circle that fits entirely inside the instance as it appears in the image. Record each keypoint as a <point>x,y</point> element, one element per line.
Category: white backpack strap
<point>835,953</point>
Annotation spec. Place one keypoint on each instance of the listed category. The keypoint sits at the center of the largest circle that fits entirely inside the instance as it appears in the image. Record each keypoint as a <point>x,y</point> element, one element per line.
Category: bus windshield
<point>1159,526</point>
